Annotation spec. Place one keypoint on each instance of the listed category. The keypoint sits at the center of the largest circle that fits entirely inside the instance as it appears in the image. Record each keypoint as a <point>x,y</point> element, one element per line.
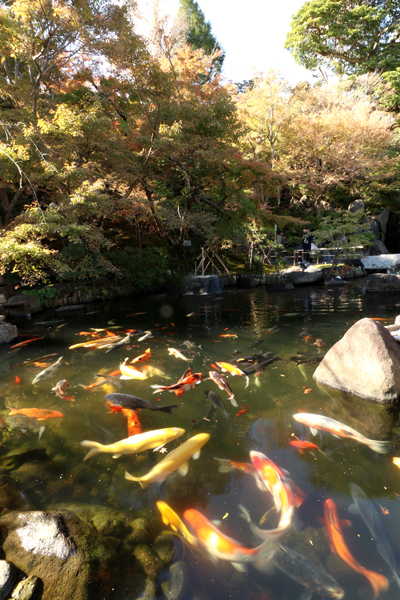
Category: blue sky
<point>252,33</point>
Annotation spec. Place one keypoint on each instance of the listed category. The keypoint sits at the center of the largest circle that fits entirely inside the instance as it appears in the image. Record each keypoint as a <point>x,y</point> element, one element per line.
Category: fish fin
<point>379,582</point>
<point>264,560</point>
<point>41,430</point>
<point>306,595</point>
<point>131,478</point>
<point>378,446</point>
<point>259,482</point>
<point>247,382</point>
<point>116,455</point>
<point>285,472</point>
<point>216,522</point>
<point>233,401</point>
<point>143,484</point>
<point>183,469</point>
<point>239,567</point>
<point>353,510</point>
<point>196,454</point>
<point>125,377</point>
<point>313,430</point>
<point>258,382</point>
<point>335,436</point>
<point>224,466</point>
<point>95,448</point>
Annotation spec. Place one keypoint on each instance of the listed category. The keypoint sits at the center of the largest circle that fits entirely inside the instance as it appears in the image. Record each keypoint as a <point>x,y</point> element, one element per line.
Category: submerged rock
<point>365,362</point>
<point>7,578</point>
<point>148,561</point>
<point>71,559</point>
<point>176,587</point>
<point>26,588</point>
<point>8,332</point>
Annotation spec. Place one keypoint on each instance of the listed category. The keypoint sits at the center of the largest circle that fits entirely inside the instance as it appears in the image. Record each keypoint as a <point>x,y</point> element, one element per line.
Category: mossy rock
<point>70,557</point>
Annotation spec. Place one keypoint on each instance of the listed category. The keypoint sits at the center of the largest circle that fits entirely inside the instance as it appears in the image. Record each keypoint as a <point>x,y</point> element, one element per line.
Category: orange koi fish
<point>338,545</point>
<point>233,370</point>
<point>222,547</point>
<point>133,421</point>
<point>60,388</point>
<point>188,381</point>
<point>18,379</point>
<point>228,335</point>
<point>101,381</point>
<point>241,412</point>
<point>142,357</point>
<point>40,414</point>
<point>20,344</point>
<point>303,445</point>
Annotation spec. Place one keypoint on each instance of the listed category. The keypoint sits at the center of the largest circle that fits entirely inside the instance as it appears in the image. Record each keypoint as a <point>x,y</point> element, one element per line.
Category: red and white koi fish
<point>188,381</point>
<point>103,379</point>
<point>60,388</point>
<point>319,422</point>
<point>220,546</point>
<point>142,357</point>
<point>233,370</point>
<point>275,482</point>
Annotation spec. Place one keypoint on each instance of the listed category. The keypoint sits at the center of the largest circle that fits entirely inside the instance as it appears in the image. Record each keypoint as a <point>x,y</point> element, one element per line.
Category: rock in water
<point>365,362</point>
<point>70,557</point>
<point>7,577</point>
<point>8,332</point>
<point>26,588</point>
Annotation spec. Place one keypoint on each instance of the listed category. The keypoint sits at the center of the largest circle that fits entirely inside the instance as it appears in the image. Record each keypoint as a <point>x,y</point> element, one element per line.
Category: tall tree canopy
<point>199,34</point>
<point>349,36</point>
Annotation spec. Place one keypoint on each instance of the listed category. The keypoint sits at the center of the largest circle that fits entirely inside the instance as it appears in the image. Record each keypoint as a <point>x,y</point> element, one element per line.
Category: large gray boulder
<point>377,248</point>
<point>70,557</point>
<point>15,304</point>
<point>365,362</point>
<point>356,206</point>
<point>382,282</point>
<point>381,262</point>
<point>299,277</point>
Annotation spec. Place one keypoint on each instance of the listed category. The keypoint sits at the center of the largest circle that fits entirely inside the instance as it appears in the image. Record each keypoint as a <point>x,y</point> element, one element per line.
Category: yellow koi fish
<point>170,518</point>
<point>232,370</point>
<point>128,372</point>
<point>177,460</point>
<point>134,443</point>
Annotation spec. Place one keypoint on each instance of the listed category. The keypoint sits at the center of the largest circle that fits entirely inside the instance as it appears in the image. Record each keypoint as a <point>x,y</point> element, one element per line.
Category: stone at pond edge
<point>33,301</point>
<point>381,282</point>
<point>69,556</point>
<point>8,332</point>
<point>26,588</point>
<point>365,362</point>
<point>7,577</point>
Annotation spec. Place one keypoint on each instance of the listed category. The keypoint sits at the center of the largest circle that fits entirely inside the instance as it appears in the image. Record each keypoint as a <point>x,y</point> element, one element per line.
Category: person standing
<point>308,239</point>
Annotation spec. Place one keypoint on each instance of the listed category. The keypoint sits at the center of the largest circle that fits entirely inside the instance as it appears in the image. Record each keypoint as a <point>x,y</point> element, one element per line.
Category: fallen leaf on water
<point>308,390</point>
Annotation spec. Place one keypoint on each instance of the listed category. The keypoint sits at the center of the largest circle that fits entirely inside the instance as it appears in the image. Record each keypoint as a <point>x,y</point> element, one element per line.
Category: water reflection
<point>52,472</point>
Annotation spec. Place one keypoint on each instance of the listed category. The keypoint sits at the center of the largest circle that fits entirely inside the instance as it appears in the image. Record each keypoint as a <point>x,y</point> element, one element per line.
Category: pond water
<point>288,325</point>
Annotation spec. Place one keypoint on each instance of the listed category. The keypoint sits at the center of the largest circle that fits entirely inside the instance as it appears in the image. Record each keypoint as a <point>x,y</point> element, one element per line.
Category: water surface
<point>288,325</point>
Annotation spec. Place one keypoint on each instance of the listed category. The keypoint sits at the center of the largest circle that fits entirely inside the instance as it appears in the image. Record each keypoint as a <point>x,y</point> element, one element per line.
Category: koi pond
<point>276,340</point>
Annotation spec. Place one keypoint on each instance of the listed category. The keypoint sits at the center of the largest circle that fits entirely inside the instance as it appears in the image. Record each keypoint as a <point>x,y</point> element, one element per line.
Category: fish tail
<point>168,409</point>
<point>379,446</point>
<point>41,430</point>
<point>233,401</point>
<point>247,382</point>
<point>224,465</point>
<point>95,448</point>
<point>379,582</point>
